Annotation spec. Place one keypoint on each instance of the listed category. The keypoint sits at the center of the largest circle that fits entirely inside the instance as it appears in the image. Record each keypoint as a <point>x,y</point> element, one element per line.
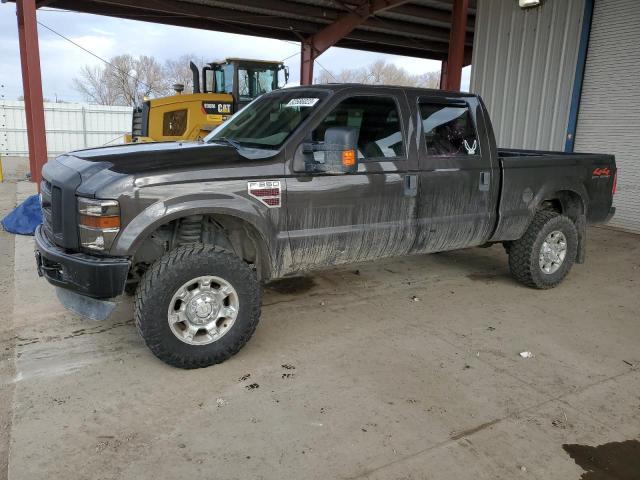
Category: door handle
<point>485,181</point>
<point>411,185</point>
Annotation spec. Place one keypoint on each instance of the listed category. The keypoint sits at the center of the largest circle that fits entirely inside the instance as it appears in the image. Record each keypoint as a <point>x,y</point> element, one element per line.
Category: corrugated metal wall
<point>69,126</point>
<point>609,115</point>
<point>524,65</point>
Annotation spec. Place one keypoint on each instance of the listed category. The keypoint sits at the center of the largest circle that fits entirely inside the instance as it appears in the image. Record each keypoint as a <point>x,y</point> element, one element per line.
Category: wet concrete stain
<point>483,276</point>
<point>22,342</point>
<point>609,461</point>
<point>471,431</point>
<point>290,285</point>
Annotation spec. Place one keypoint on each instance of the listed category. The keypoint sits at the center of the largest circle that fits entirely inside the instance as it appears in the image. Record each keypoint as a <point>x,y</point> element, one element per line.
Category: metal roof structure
<point>435,29</point>
<point>418,28</point>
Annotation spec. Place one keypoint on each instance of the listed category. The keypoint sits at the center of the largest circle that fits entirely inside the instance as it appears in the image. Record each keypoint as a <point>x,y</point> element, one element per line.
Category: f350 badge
<point>268,192</point>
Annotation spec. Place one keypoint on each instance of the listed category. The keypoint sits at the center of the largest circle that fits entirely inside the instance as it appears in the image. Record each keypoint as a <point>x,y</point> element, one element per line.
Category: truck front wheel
<point>197,306</point>
<point>546,252</point>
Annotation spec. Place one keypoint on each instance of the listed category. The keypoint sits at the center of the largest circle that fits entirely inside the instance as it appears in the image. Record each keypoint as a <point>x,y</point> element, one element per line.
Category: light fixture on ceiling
<point>529,3</point>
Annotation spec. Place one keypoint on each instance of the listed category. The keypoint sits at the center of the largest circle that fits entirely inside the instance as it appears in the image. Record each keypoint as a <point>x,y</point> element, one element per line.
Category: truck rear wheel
<point>197,306</point>
<point>546,252</point>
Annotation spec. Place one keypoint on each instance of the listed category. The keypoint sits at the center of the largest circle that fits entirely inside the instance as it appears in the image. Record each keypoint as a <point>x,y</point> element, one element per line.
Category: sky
<point>107,37</point>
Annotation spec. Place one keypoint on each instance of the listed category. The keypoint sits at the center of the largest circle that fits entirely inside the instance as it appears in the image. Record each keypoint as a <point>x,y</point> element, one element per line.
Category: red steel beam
<point>32,86</point>
<point>443,75</point>
<point>307,58</point>
<point>455,59</point>
<point>319,42</point>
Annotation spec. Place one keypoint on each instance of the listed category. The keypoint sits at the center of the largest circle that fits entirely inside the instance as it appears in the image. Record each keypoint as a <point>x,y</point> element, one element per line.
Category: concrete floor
<point>352,377</point>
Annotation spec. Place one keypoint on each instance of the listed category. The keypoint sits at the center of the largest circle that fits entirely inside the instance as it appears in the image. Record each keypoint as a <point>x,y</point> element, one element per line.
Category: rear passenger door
<point>458,179</point>
<point>334,219</point>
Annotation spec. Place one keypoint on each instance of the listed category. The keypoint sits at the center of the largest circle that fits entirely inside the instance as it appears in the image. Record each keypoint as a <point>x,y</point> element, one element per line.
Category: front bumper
<point>88,275</point>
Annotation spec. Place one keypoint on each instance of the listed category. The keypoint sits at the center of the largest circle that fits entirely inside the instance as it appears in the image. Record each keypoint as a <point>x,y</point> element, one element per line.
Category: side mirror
<point>338,152</point>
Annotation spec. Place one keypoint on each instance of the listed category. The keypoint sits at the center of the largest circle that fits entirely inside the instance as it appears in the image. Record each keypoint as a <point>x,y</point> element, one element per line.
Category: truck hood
<point>147,157</point>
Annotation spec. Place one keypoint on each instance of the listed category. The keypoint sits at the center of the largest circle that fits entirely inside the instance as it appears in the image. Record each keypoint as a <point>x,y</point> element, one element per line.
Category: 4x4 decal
<point>601,172</point>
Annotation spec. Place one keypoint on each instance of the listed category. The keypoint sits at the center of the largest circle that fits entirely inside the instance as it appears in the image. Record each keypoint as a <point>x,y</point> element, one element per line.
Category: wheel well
<point>566,202</point>
<point>226,232</point>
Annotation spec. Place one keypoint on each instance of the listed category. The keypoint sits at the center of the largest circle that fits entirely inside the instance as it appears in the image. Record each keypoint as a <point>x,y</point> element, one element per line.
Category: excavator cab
<point>219,90</point>
<point>244,79</point>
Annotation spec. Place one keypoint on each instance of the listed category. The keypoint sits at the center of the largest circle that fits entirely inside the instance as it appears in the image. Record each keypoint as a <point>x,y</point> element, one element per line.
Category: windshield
<point>269,120</point>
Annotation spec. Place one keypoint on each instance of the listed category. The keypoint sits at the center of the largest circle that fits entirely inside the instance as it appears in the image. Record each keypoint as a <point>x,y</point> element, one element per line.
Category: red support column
<point>32,86</point>
<point>443,75</point>
<point>307,58</point>
<point>455,60</point>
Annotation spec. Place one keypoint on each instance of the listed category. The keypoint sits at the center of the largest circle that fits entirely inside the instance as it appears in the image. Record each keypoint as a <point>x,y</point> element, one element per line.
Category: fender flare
<point>514,222</point>
<point>161,213</point>
<point>551,190</point>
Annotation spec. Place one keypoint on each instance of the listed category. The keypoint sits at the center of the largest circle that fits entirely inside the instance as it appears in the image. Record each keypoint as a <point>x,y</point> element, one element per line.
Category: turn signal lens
<point>615,183</point>
<point>100,222</point>
<point>348,158</point>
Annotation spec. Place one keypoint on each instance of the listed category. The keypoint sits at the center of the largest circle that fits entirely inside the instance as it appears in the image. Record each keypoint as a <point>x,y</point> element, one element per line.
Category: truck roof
<point>365,88</point>
<point>249,60</point>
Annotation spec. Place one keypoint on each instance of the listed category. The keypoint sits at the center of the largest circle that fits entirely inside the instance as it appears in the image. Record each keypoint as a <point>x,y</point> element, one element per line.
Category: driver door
<point>350,217</point>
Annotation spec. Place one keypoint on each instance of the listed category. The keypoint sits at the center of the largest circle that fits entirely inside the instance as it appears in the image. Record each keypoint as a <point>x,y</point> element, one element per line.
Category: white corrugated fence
<point>70,126</point>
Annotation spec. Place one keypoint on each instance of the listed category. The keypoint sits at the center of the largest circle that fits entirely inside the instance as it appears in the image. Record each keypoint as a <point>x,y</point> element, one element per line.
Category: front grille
<point>58,188</point>
<point>58,214</point>
<point>47,214</point>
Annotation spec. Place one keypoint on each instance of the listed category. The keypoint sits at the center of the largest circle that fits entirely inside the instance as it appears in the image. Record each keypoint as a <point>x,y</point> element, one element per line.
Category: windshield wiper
<point>235,144</point>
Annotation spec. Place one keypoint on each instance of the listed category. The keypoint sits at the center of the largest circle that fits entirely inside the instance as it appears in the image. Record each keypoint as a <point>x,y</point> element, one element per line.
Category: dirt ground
<point>404,368</point>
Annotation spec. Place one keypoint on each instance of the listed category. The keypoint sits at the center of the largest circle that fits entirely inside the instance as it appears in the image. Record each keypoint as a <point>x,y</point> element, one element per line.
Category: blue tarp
<point>25,217</point>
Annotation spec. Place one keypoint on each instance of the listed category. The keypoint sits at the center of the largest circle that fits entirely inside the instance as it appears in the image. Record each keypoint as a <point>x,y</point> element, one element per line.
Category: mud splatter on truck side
<point>303,178</point>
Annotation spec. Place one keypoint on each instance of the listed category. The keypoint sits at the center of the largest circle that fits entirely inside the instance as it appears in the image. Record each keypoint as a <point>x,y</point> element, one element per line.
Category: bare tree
<point>93,85</point>
<point>124,81</point>
<point>177,71</point>
<point>380,72</point>
<point>429,80</point>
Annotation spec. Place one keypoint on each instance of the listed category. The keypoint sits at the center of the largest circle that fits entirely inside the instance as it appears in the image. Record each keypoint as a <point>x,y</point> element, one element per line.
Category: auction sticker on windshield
<point>302,102</point>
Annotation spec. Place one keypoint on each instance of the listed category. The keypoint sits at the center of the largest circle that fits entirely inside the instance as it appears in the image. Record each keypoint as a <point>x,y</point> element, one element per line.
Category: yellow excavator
<point>219,90</point>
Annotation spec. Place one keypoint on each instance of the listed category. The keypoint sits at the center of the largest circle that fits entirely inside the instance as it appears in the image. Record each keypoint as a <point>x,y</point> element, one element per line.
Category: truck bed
<point>529,176</point>
<point>543,154</point>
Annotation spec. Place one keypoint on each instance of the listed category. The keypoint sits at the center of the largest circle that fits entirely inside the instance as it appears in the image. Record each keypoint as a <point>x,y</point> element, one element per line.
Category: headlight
<point>99,222</point>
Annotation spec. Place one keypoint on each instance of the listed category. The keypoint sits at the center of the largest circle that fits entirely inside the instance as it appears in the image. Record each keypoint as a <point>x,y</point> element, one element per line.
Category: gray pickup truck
<point>300,179</point>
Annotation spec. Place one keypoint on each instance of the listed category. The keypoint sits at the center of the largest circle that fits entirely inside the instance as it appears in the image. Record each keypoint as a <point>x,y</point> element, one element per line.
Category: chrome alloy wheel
<point>552,252</point>
<point>203,310</point>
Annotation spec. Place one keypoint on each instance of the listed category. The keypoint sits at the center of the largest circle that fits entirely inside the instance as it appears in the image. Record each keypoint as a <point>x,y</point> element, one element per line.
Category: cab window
<point>227,72</point>
<point>219,83</point>
<point>448,130</point>
<point>378,123</point>
<point>253,82</point>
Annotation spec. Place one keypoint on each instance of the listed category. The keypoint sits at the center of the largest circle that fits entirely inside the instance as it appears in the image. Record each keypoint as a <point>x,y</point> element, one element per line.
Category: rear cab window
<point>448,130</point>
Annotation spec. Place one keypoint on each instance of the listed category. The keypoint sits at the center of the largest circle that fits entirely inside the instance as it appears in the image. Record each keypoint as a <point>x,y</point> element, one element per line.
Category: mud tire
<point>161,281</point>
